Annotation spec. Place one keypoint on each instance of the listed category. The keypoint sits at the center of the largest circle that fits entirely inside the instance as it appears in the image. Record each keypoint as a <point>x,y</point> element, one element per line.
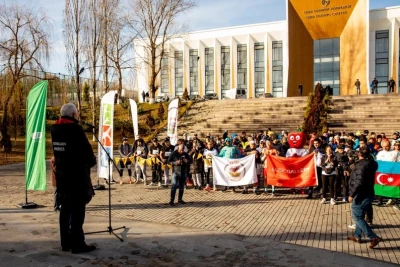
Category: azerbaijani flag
<point>387,179</point>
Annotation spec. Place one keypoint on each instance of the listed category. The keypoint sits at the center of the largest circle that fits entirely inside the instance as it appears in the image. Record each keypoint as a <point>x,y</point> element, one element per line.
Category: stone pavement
<point>213,228</point>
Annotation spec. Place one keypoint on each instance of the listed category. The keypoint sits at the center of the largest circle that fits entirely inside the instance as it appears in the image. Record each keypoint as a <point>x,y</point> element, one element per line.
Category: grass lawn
<point>122,116</point>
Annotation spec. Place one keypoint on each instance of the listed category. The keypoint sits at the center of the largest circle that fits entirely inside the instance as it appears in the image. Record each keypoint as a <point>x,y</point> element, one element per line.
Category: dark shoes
<point>171,203</point>
<point>309,196</point>
<point>353,238</point>
<point>83,249</point>
<point>181,202</point>
<point>375,241</point>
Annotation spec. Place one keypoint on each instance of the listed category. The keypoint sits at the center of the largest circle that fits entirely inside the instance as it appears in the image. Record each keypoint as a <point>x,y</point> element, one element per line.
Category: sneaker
<point>375,241</point>
<point>130,181</point>
<point>159,184</point>
<point>352,226</point>
<point>396,207</point>
<point>181,202</point>
<point>323,201</point>
<point>121,182</point>
<point>151,184</point>
<point>207,188</point>
<point>390,202</point>
<point>215,189</point>
<point>113,181</point>
<point>244,192</point>
<point>333,202</point>
<point>346,200</point>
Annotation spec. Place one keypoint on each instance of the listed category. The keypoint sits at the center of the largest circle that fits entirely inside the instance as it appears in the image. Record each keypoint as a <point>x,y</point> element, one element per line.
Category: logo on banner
<point>326,2</point>
<point>235,171</point>
<point>36,136</point>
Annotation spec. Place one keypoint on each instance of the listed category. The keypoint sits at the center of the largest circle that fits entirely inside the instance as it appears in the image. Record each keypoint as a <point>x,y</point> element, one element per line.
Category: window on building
<point>382,60</point>
<point>178,73</point>
<point>194,71</point>
<point>209,68</point>
<point>164,84</point>
<point>277,69</point>
<point>242,68</point>
<point>225,70</point>
<point>259,68</point>
<point>327,63</point>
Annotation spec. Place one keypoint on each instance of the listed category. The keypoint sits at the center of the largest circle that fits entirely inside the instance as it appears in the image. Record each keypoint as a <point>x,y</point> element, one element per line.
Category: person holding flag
<point>125,151</point>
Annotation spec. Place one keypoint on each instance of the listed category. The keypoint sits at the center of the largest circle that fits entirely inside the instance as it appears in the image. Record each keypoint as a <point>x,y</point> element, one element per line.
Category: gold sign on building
<point>310,20</point>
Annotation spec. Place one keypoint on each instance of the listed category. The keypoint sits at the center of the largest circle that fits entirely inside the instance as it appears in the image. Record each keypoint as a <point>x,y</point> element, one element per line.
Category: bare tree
<point>120,42</point>
<point>155,22</point>
<point>93,39</point>
<point>75,18</point>
<point>24,45</point>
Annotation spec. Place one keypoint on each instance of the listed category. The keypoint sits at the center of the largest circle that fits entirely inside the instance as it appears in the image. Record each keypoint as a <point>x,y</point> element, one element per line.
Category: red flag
<point>291,172</point>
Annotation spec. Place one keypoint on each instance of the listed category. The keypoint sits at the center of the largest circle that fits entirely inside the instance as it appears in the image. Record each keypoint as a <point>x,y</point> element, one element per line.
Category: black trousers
<point>72,217</point>
<point>331,181</point>
<point>156,173</point>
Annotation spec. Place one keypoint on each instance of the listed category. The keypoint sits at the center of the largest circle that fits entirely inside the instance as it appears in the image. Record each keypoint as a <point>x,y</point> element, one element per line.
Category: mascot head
<point>297,139</point>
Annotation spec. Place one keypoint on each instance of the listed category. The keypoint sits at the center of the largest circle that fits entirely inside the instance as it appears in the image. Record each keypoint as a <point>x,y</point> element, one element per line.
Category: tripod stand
<point>109,230</point>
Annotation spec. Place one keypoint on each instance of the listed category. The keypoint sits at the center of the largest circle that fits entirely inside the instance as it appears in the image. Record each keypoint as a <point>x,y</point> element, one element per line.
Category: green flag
<point>35,148</point>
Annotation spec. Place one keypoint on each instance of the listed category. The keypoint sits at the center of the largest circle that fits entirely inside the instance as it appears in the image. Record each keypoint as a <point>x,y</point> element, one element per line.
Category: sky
<point>208,14</point>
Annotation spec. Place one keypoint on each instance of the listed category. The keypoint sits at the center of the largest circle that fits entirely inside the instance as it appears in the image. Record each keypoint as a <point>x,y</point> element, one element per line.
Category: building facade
<point>328,42</point>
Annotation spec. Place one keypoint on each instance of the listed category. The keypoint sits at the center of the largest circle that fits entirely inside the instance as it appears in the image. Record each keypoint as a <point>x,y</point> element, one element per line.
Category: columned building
<point>328,42</point>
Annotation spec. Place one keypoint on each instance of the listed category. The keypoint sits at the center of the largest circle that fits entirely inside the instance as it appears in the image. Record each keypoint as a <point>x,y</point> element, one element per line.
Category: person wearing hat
<point>125,151</point>
<point>166,151</point>
<point>154,154</point>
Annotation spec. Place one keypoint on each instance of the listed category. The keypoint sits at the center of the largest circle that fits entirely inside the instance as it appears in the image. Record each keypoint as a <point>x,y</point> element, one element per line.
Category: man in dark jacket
<point>73,159</point>
<point>362,180</point>
<point>180,162</point>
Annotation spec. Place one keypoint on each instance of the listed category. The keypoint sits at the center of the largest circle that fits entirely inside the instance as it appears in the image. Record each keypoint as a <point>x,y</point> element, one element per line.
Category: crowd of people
<point>336,155</point>
<point>345,164</point>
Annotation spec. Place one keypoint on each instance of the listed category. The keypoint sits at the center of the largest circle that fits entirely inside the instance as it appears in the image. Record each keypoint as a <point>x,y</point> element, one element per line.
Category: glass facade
<point>225,70</point>
<point>242,69</point>
<point>194,71</point>
<point>327,63</point>
<point>382,60</point>
<point>209,68</point>
<point>277,69</point>
<point>178,73</point>
<point>164,84</point>
<point>259,68</point>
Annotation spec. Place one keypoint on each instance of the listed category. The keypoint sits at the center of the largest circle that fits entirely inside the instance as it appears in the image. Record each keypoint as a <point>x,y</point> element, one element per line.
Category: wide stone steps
<point>377,113</point>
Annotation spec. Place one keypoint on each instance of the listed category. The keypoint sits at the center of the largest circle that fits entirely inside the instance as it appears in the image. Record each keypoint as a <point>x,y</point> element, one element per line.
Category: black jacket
<point>181,168</point>
<point>73,158</point>
<point>362,179</point>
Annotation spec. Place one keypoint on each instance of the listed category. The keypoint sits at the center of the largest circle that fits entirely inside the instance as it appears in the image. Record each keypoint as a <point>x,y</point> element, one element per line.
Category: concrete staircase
<point>376,113</point>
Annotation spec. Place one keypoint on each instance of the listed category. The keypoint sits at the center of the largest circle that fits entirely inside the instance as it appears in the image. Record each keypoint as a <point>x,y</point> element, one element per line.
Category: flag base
<point>28,205</point>
<point>99,187</point>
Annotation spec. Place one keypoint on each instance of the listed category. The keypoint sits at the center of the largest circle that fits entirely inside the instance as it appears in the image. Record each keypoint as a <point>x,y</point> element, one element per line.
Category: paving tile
<point>288,218</point>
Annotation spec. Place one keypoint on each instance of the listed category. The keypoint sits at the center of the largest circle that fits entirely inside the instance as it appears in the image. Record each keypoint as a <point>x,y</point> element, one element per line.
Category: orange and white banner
<point>106,134</point>
<point>291,172</point>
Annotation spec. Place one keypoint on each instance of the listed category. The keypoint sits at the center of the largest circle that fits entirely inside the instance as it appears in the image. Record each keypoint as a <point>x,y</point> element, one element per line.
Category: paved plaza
<point>287,219</point>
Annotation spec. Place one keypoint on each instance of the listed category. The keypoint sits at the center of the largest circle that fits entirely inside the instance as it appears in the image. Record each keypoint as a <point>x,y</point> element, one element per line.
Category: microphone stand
<point>98,186</point>
<point>109,230</point>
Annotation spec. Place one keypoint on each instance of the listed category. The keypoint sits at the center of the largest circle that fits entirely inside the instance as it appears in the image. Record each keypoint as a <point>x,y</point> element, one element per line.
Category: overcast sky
<point>208,14</point>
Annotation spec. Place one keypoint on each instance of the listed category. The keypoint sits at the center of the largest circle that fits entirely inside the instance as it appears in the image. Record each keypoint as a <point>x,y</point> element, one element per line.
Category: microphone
<point>88,124</point>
